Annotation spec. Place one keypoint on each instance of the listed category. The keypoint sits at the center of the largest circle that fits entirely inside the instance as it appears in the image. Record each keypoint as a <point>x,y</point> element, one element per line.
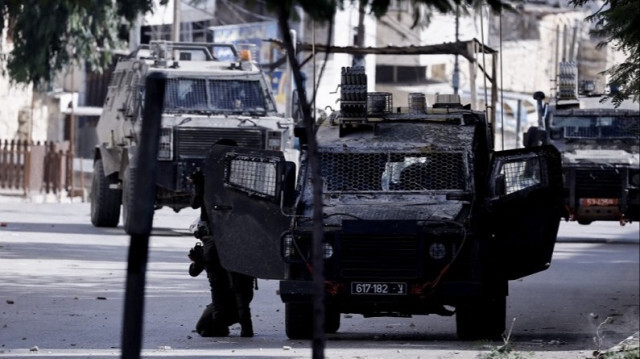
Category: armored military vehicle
<point>600,150</point>
<point>206,102</point>
<point>421,216</point>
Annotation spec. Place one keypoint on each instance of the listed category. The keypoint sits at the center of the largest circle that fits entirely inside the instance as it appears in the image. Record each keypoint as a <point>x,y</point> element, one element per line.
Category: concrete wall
<point>15,111</point>
<point>530,65</point>
<point>22,116</point>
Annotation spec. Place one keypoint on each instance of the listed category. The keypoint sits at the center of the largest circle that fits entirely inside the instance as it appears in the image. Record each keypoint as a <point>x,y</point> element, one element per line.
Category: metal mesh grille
<point>598,182</point>
<point>214,95</point>
<point>194,142</point>
<point>185,93</point>
<point>379,103</point>
<point>380,257</point>
<point>602,132</point>
<point>592,126</point>
<point>393,171</point>
<point>521,174</point>
<point>253,175</point>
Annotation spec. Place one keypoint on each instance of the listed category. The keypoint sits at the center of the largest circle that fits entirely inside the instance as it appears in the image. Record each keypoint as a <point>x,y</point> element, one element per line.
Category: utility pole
<point>456,69</point>
<point>175,33</point>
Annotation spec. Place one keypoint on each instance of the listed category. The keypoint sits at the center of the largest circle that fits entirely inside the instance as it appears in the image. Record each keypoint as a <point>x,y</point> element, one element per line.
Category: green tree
<point>48,35</point>
<point>617,23</point>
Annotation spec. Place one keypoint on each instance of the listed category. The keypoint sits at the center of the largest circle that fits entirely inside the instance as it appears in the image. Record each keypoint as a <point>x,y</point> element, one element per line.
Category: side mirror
<point>287,172</point>
<point>534,136</point>
<point>556,133</point>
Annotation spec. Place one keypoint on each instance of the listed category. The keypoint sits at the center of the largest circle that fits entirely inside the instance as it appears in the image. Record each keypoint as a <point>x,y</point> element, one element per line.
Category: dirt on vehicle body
<point>420,216</point>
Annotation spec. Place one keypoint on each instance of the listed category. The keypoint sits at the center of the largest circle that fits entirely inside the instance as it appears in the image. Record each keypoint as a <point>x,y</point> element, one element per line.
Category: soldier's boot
<point>243,290</point>
<point>246,326</point>
<point>208,326</point>
<point>217,325</point>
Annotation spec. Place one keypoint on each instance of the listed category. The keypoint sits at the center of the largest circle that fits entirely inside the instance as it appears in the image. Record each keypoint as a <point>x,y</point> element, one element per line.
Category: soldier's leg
<point>242,286</point>
<point>216,315</point>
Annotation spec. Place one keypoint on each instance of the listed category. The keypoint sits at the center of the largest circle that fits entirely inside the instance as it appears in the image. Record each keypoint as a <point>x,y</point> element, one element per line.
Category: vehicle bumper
<point>339,292</point>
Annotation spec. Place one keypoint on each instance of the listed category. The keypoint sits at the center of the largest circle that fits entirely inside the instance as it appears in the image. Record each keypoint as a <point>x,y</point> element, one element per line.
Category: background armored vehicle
<point>205,102</point>
<point>420,215</point>
<point>600,150</point>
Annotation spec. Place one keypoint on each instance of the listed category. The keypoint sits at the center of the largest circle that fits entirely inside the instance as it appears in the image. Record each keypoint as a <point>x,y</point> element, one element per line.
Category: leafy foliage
<point>618,24</point>
<point>324,10</point>
<point>48,35</point>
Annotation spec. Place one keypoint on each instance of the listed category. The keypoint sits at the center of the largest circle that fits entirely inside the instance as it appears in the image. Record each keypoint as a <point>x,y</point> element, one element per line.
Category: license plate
<point>598,202</point>
<point>378,288</point>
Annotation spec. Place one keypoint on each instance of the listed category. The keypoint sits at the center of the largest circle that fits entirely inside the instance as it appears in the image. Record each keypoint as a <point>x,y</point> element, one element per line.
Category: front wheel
<point>332,319</point>
<point>105,202</point>
<point>298,320</point>
<point>481,317</point>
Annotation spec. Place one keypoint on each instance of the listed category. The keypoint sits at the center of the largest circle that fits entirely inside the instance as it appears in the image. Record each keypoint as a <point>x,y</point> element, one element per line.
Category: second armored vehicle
<point>600,150</point>
<point>206,102</point>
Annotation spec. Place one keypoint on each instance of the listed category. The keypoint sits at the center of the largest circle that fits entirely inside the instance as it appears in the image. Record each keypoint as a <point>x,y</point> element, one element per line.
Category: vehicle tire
<point>584,222</point>
<point>128,194</point>
<point>298,320</point>
<point>105,202</point>
<point>332,320</point>
<point>481,318</point>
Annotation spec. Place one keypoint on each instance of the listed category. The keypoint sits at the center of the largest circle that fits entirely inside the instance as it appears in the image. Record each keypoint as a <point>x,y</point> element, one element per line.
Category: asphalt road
<point>62,290</point>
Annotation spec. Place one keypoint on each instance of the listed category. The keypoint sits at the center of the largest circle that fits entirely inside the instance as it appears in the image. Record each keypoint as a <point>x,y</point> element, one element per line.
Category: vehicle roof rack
<point>163,50</point>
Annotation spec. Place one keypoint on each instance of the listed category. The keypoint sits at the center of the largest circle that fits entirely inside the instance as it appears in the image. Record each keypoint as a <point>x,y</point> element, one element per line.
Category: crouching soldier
<point>231,293</point>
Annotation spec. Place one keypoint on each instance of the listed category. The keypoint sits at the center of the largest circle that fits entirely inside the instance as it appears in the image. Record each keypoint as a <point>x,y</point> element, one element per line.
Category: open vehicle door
<point>243,192</point>
<point>525,201</point>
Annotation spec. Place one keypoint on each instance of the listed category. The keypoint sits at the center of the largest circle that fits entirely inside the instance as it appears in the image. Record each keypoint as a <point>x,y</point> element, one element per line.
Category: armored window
<point>185,94</point>
<point>591,127</point>
<point>405,172</point>
<point>520,174</point>
<point>237,95</point>
<point>253,175</point>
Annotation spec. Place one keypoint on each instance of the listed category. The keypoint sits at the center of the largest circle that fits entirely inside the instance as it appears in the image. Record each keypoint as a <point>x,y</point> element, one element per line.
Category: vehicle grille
<point>195,142</point>
<point>379,257</point>
<point>598,183</point>
<point>393,171</point>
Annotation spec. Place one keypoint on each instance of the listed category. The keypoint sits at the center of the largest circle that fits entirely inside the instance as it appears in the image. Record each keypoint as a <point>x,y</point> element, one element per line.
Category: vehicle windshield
<point>393,172</point>
<point>609,127</point>
<point>213,96</point>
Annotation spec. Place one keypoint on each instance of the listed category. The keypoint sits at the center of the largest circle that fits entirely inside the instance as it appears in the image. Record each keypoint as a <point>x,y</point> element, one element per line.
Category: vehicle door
<point>243,190</point>
<point>524,206</point>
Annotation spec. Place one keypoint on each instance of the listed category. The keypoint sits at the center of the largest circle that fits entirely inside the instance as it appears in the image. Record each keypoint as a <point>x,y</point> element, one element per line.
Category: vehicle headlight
<point>634,178</point>
<point>165,146</point>
<point>288,247</point>
<point>274,140</point>
<point>327,250</point>
<point>437,251</point>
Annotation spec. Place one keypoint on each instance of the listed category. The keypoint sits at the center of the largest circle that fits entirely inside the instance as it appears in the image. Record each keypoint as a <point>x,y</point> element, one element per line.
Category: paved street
<point>63,285</point>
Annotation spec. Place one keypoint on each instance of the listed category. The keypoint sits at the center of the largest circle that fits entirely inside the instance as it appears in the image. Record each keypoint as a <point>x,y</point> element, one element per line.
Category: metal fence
<point>29,168</point>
